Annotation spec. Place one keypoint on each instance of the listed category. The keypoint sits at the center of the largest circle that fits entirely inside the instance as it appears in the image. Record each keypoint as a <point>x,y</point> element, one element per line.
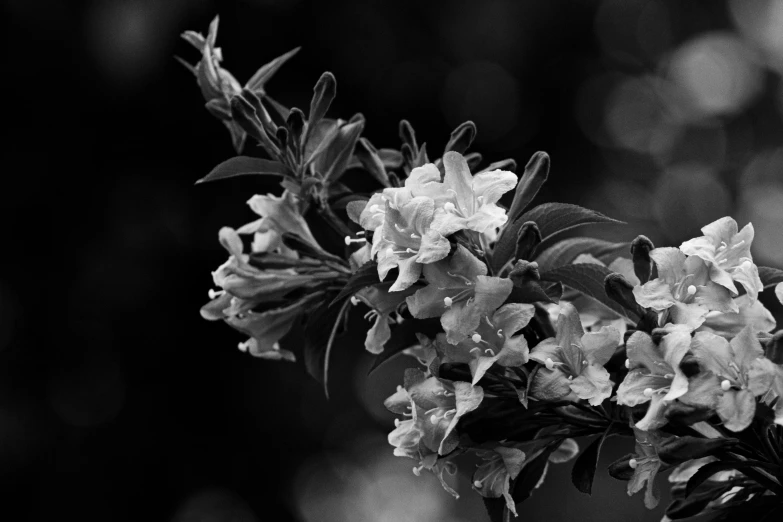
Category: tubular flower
<point>573,362</point>
<point>494,341</point>
<point>645,466</point>
<point>434,407</point>
<point>683,289</point>
<point>492,479</point>
<point>406,241</point>
<point>470,202</point>
<point>727,253</point>
<point>460,292</point>
<point>654,375</point>
<point>742,371</point>
<point>383,304</point>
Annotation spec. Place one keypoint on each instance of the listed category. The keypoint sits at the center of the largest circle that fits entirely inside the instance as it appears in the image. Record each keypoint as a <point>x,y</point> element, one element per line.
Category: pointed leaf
<point>341,150</point>
<point>323,94</point>
<point>589,279</point>
<point>245,166</point>
<point>408,135</point>
<point>371,161</point>
<point>565,251</point>
<point>536,172</point>
<point>583,472</point>
<point>770,276</point>
<point>552,219</point>
<point>711,468</point>
<point>366,275</point>
<point>262,75</point>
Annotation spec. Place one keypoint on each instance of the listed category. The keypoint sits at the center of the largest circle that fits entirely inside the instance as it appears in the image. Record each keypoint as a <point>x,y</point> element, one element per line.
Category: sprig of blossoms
<point>525,341</point>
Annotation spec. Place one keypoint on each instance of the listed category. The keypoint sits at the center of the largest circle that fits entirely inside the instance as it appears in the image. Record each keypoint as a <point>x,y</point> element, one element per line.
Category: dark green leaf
<point>391,159</point>
<point>371,161</point>
<point>531,473</point>
<point>245,116</point>
<point>461,138</point>
<point>366,275</point>
<point>552,219</point>
<point>262,75</point>
<point>245,166</point>
<point>295,123</point>
<point>693,505</point>
<point>711,468</point>
<point>496,510</point>
<point>620,469</point>
<point>587,278</point>
<point>323,94</point>
<point>332,164</point>
<point>770,276</point>
<point>583,472</point>
<point>330,343</point>
<point>565,251</point>
<point>536,172</point>
<point>680,449</point>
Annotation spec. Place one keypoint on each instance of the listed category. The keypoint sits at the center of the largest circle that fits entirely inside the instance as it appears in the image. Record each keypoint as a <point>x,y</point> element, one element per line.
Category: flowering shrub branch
<point>525,341</point>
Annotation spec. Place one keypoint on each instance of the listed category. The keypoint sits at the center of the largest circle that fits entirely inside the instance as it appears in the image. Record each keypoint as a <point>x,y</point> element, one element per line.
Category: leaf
<point>295,123</point>
<point>371,161</point>
<point>586,278</point>
<point>552,219</point>
<point>565,251</point>
<point>245,166</point>
<point>506,164</point>
<point>536,172</point>
<point>340,150</point>
<point>531,474</point>
<point>408,135</point>
<point>461,138</point>
<point>366,275</point>
<point>686,447</point>
<point>770,276</point>
<point>711,468</point>
<point>391,159</point>
<point>262,75</point>
<point>330,343</point>
<point>321,319</point>
<point>583,472</point>
<point>323,94</point>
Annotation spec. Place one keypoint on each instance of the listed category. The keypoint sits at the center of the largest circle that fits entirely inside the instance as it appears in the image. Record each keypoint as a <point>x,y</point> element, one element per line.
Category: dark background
<point>117,402</point>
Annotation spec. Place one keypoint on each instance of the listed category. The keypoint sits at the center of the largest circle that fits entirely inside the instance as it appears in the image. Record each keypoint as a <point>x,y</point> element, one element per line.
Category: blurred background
<point>118,402</point>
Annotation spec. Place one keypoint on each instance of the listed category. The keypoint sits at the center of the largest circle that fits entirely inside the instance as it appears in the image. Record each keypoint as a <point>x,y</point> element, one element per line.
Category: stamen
<point>477,483</point>
<point>447,301</point>
<point>398,318</point>
<point>725,385</point>
<point>550,364</point>
<point>633,463</point>
<point>464,279</point>
<point>648,392</point>
<point>570,377</point>
<point>737,245</point>
<point>669,376</point>
<point>243,346</point>
<point>486,318</point>
<point>411,251</point>
<point>691,290</point>
<point>397,423</point>
<point>360,233</point>
<point>215,293</point>
<point>396,226</point>
<point>480,199</point>
<point>415,236</point>
<point>434,419</point>
<point>474,349</point>
<point>354,300</point>
<point>476,338</point>
<point>500,332</point>
<point>449,206</point>
<point>628,363</point>
<point>348,240</point>
<point>489,350</point>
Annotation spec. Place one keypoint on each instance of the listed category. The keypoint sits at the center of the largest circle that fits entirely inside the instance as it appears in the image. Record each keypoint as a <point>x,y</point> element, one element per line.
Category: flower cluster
<point>525,340</point>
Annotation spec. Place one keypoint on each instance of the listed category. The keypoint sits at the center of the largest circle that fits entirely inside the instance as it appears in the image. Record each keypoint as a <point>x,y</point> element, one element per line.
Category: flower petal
<point>410,271</point>
<point>654,418</point>
<point>378,335</point>
<point>600,346</point>
<point>593,384</point>
<point>736,409</point>
<point>655,294</point>
<point>631,390</point>
<point>458,178</point>
<point>670,263</point>
<point>490,186</point>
